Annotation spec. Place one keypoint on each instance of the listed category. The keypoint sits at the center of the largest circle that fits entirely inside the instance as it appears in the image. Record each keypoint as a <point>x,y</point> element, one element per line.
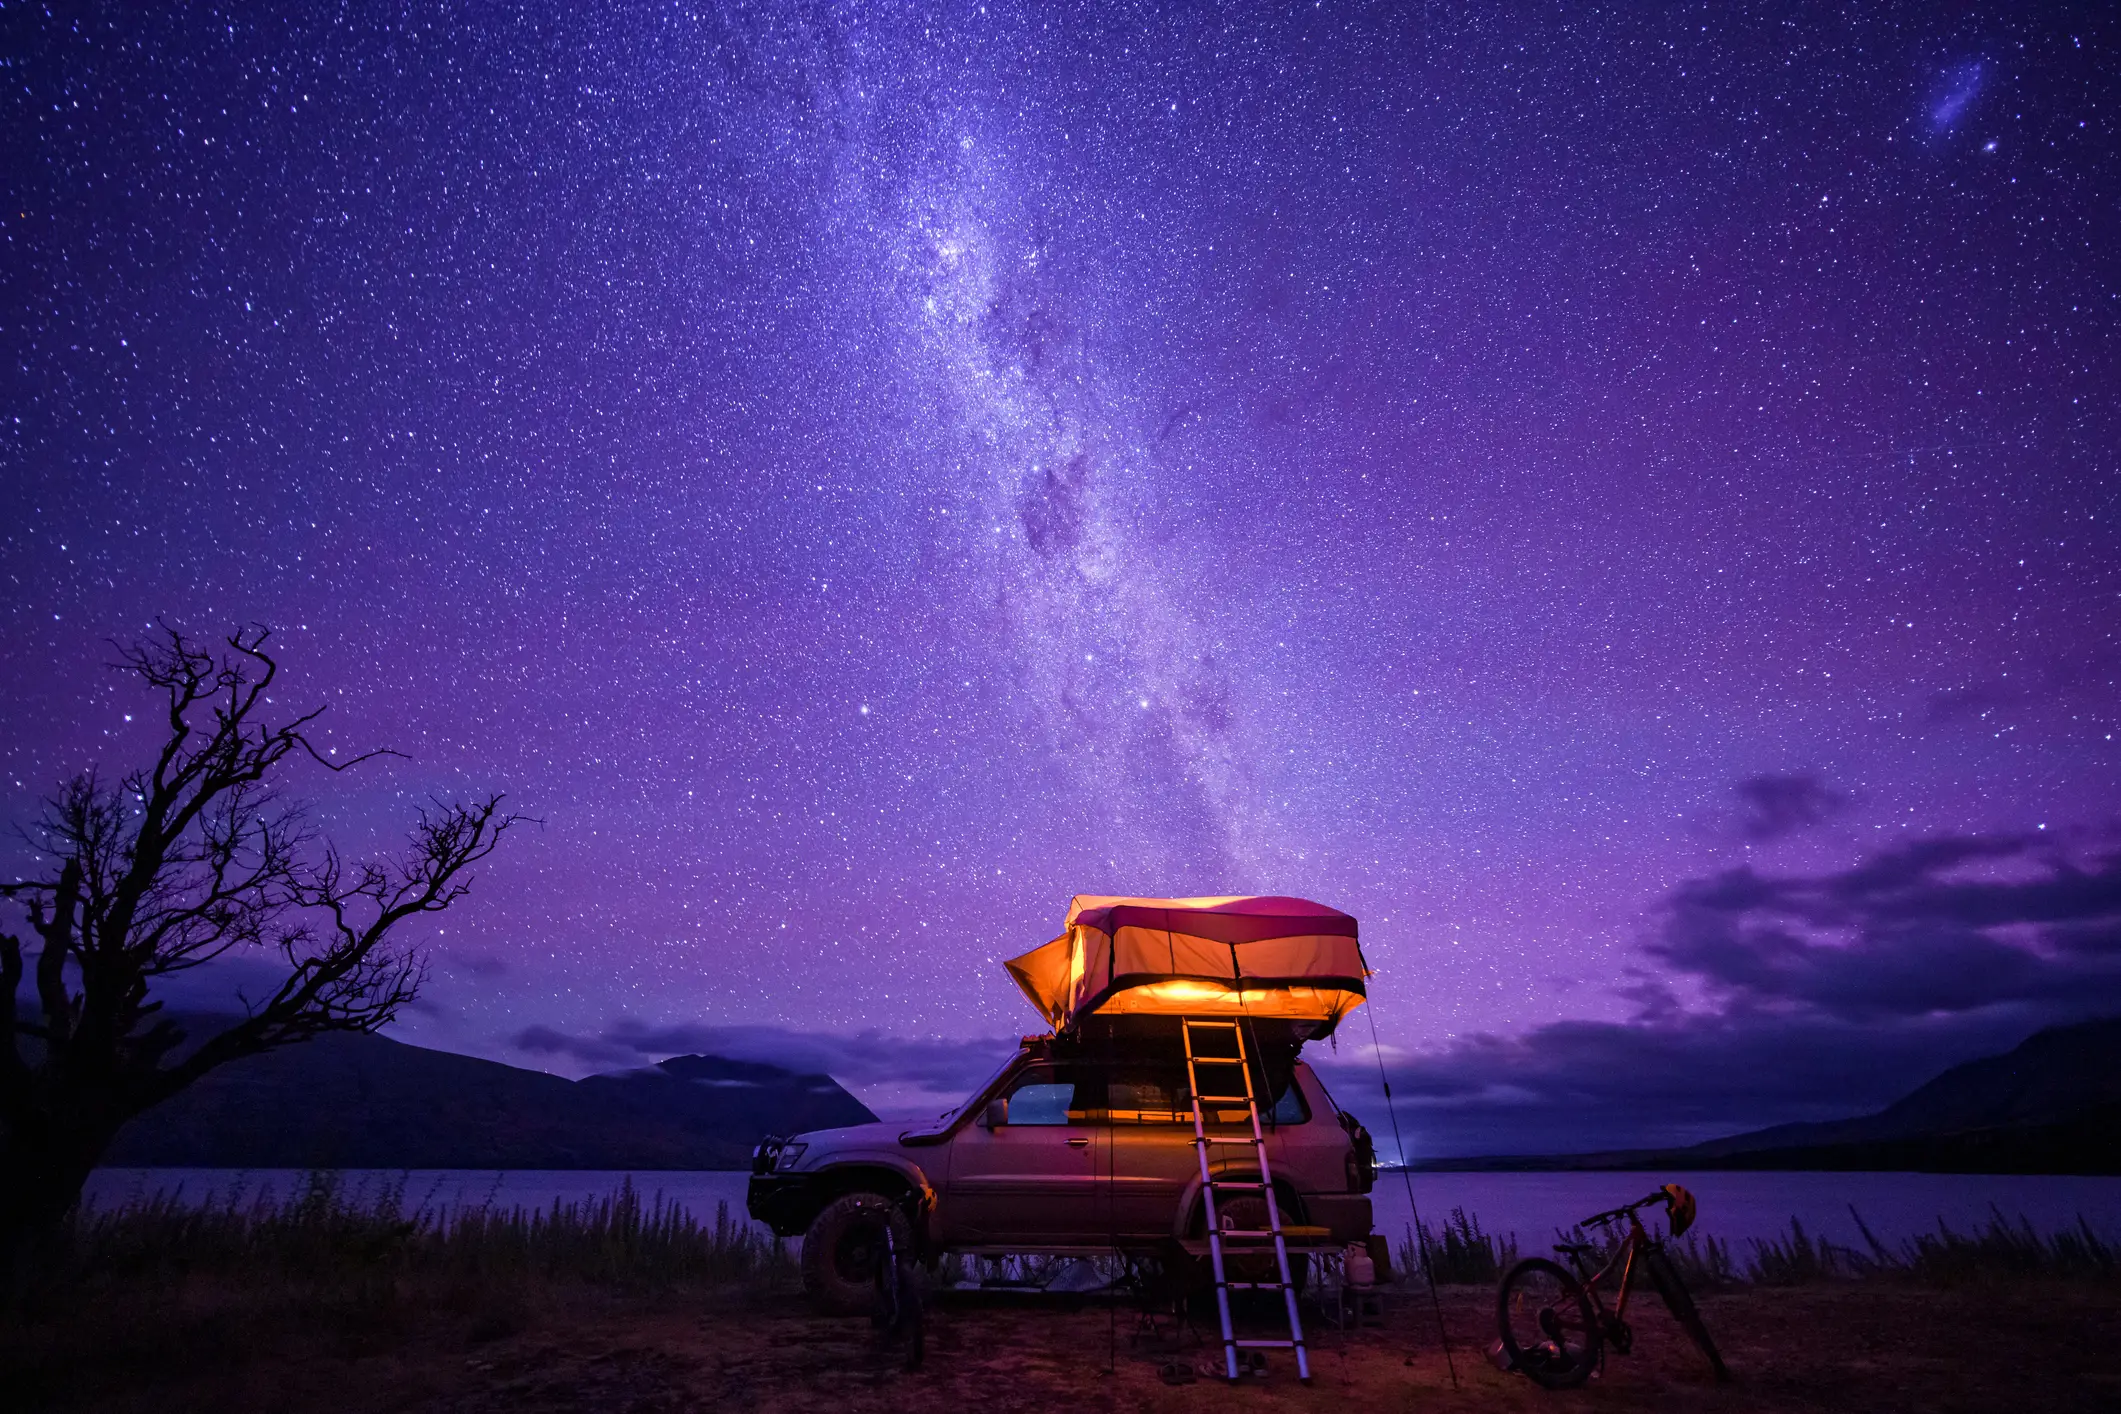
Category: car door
<point>1151,1159</point>
<point>1033,1178</point>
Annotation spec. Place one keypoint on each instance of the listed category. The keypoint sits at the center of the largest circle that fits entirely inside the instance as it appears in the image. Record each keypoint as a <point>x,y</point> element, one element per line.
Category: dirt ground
<point>2029,1349</point>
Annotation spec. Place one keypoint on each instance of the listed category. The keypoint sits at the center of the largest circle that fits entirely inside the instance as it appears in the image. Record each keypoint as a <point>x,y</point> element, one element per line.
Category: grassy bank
<point>156,1289</point>
<point>329,1230</point>
<point>349,1298</point>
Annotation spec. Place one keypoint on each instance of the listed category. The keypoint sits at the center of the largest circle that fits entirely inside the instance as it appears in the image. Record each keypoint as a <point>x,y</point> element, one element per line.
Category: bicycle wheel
<point>1680,1302</point>
<point>1549,1326</point>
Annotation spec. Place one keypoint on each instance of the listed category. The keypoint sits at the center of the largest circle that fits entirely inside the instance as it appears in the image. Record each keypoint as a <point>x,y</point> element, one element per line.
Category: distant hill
<point>352,1101</point>
<point>2053,1105</point>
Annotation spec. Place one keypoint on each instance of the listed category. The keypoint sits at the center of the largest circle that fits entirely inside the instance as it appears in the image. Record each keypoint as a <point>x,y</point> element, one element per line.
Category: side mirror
<point>996,1113</point>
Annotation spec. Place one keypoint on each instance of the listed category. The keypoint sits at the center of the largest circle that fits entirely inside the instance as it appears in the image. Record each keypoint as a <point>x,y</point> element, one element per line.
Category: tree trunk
<point>43,1169</point>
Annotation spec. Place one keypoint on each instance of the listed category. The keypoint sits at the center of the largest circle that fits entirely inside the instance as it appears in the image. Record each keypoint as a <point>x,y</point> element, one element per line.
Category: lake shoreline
<point>1529,1208</point>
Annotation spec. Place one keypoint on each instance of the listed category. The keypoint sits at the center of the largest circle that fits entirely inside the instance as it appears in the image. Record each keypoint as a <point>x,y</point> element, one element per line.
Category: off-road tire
<point>1254,1261</point>
<point>1680,1302</point>
<point>1535,1285</point>
<point>842,1247</point>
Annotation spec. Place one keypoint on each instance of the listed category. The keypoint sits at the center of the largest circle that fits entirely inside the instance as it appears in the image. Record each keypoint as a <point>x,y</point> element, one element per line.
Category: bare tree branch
<point>191,859</point>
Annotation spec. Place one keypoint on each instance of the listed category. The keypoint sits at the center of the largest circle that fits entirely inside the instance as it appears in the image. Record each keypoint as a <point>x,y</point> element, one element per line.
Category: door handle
<point>1078,1143</point>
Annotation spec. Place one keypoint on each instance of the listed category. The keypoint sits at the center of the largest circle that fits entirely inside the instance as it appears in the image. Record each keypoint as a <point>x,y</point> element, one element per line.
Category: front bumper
<point>782,1201</point>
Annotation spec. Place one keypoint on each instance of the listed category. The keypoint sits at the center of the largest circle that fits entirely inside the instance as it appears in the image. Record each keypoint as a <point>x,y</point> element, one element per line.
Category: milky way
<point>860,478</point>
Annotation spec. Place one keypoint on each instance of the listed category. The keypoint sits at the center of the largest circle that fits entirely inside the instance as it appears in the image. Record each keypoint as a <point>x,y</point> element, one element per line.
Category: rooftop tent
<point>1266,957</point>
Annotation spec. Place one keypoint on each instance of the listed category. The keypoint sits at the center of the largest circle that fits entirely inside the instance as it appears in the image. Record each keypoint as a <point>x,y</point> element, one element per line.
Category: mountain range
<point>2052,1105</point>
<point>358,1101</point>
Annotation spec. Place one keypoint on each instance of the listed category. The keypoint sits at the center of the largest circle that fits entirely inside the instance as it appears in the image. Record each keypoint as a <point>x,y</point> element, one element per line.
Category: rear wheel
<point>1252,1260</point>
<point>1680,1302</point>
<point>844,1248</point>
<point>1548,1325</point>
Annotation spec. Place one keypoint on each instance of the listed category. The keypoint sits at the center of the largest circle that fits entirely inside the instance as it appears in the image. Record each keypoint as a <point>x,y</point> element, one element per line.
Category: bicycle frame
<point>1631,1246</point>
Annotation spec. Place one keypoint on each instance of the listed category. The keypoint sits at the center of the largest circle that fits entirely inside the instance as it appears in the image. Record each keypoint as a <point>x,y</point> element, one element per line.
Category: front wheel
<point>1548,1325</point>
<point>1680,1302</point>
<point>844,1248</point>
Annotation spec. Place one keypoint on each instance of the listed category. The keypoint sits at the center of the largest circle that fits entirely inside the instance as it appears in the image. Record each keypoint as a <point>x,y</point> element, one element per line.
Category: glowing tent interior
<point>1266,957</point>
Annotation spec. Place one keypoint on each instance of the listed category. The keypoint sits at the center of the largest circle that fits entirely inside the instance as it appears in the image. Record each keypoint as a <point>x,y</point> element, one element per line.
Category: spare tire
<point>843,1247</point>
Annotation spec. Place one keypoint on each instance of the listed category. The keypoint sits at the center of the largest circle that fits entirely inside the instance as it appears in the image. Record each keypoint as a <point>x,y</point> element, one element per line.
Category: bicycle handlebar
<point>1615,1215</point>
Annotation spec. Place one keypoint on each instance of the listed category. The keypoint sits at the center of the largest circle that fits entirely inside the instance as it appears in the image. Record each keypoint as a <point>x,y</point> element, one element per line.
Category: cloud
<point>1973,702</point>
<point>1577,1085</point>
<point>483,966</point>
<point>1782,998</point>
<point>893,1075</point>
<point>1785,804</point>
<point>550,1042</point>
<point>1934,927</point>
<point>226,986</point>
<point>2061,685</point>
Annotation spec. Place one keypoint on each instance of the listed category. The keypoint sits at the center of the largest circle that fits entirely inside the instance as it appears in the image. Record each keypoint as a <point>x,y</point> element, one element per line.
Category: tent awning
<point>1251,956</point>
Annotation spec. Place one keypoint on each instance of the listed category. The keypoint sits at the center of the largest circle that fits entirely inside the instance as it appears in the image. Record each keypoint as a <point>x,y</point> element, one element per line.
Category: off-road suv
<point>1080,1144</point>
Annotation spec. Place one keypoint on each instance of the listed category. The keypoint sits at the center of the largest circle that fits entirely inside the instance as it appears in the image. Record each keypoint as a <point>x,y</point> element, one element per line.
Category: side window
<point>1290,1108</point>
<point>1050,1095</point>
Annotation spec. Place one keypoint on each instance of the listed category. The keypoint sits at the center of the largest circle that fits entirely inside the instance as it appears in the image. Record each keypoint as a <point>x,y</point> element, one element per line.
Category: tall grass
<point>328,1231</point>
<point>327,1228</point>
<point>2002,1247</point>
<point>1999,1248</point>
<point>1458,1253</point>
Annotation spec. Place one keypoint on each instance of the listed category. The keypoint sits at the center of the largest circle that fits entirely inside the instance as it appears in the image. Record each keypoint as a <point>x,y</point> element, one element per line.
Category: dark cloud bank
<point>1761,999</point>
<point>1777,806</point>
<point>1769,999</point>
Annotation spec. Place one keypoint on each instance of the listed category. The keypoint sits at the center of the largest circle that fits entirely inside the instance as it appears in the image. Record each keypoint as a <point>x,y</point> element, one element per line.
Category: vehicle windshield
<point>951,1115</point>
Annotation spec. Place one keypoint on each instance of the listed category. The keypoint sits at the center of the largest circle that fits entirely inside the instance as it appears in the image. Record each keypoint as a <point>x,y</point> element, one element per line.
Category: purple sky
<point>1625,504</point>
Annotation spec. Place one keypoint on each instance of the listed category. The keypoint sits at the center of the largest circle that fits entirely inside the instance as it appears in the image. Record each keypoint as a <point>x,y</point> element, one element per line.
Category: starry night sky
<point>1623,501</point>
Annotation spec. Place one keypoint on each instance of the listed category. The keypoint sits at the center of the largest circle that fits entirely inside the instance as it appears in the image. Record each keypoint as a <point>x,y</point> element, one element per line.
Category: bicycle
<point>897,1316</point>
<point>1555,1325</point>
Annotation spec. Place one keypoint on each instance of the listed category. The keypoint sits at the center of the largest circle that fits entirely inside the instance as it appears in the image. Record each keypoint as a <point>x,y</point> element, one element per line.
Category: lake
<point>1530,1206</point>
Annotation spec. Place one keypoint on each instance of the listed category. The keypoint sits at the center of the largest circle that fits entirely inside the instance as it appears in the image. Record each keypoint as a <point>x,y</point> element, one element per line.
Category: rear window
<point>1289,1106</point>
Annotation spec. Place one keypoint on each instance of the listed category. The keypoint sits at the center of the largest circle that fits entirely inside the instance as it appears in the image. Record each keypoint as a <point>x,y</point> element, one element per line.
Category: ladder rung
<point>1256,1285</point>
<point>1247,1232</point>
<point>1266,1344</point>
<point>1224,1099</point>
<point>1233,1183</point>
<point>1192,1025</point>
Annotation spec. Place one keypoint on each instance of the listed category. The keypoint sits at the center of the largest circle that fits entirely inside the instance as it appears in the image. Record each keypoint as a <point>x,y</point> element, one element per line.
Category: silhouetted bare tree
<point>189,860</point>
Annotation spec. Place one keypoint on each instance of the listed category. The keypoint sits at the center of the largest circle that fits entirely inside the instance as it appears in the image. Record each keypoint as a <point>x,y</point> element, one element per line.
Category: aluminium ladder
<point>1220,1061</point>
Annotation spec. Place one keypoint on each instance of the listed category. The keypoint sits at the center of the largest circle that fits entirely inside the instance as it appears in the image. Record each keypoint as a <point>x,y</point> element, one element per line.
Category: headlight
<point>790,1154</point>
